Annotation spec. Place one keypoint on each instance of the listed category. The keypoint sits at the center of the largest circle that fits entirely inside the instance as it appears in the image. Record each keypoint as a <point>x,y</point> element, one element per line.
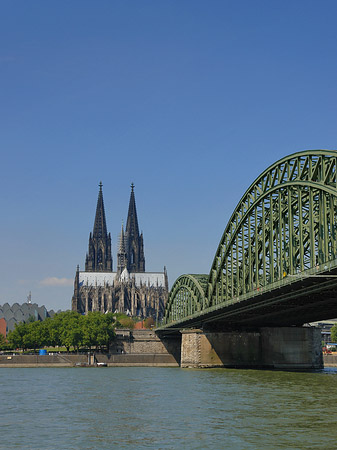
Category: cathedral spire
<point>121,255</point>
<point>134,247</point>
<point>132,221</point>
<point>99,257</point>
<point>100,229</point>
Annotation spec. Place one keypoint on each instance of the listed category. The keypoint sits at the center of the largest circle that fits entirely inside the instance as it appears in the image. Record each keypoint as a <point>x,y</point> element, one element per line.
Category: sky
<point>190,100</point>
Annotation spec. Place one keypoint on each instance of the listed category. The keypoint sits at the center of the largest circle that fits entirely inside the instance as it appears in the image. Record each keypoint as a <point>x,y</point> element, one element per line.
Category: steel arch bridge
<point>276,263</point>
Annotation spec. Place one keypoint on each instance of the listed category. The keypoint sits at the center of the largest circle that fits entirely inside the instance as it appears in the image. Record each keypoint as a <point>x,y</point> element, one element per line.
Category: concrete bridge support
<point>293,348</point>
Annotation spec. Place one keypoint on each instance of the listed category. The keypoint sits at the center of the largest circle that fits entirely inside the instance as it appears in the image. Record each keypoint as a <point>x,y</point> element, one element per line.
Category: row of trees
<point>67,329</point>
<point>71,330</point>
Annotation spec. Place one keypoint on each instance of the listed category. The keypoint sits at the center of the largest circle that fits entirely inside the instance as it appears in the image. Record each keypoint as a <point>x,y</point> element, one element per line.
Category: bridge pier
<point>292,348</point>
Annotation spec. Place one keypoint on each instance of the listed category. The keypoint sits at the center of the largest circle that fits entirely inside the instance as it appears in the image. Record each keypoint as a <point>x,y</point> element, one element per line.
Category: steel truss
<point>284,226</point>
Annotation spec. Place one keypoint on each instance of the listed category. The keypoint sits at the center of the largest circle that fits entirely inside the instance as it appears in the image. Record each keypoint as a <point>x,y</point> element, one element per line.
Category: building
<point>15,314</point>
<point>129,289</point>
<point>325,326</point>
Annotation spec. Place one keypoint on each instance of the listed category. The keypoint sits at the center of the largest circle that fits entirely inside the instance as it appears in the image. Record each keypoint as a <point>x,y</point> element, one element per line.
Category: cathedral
<point>129,289</point>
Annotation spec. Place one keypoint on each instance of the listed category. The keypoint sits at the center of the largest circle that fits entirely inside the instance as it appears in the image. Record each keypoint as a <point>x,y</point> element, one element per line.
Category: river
<point>167,408</point>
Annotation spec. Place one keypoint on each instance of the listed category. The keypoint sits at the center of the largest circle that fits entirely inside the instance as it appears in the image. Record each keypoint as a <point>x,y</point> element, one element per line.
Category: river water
<point>167,408</point>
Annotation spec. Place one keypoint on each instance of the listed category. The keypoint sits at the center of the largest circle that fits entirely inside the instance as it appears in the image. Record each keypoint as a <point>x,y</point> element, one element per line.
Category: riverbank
<point>330,360</point>
<point>111,360</point>
<point>73,360</point>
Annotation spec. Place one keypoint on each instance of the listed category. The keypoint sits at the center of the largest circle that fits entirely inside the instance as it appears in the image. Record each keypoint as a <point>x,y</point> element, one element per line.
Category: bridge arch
<point>284,225</point>
<point>187,297</point>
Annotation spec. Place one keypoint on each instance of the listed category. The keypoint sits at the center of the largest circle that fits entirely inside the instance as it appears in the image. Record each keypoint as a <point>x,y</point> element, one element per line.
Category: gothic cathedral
<point>130,289</point>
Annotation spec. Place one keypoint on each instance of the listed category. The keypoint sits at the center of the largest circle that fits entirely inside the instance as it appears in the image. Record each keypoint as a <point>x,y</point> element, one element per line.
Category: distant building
<point>129,289</point>
<point>325,326</point>
<point>3,327</point>
<point>14,314</point>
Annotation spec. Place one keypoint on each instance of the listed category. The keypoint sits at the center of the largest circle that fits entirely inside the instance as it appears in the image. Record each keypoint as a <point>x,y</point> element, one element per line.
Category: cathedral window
<point>100,256</point>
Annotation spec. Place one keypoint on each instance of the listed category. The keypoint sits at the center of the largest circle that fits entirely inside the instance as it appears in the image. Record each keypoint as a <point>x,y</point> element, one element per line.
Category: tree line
<point>67,329</point>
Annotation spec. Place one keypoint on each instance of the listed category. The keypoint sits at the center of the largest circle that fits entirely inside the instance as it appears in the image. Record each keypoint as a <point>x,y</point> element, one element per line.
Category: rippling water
<point>167,408</point>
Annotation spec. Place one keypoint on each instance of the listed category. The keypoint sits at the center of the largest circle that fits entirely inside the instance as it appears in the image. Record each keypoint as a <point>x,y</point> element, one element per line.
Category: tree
<point>105,332</point>
<point>334,334</point>
<point>98,330</point>
<point>16,336</point>
<point>54,327</point>
<point>3,342</point>
<point>123,321</point>
<point>35,336</point>
<point>71,330</point>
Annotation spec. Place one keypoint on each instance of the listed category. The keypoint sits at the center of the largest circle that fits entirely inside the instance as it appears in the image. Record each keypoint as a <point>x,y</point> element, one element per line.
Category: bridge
<point>276,263</point>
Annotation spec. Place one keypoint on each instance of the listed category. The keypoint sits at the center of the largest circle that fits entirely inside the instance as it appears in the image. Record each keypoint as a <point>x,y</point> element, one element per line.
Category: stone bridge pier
<point>289,348</point>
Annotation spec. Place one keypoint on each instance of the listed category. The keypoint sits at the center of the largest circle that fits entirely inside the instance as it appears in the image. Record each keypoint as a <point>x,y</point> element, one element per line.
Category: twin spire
<point>131,248</point>
<point>100,222</point>
<point>99,258</point>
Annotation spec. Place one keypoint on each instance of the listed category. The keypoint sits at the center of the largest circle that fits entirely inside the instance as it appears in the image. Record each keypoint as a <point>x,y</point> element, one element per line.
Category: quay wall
<point>330,360</point>
<point>71,360</point>
<point>130,348</point>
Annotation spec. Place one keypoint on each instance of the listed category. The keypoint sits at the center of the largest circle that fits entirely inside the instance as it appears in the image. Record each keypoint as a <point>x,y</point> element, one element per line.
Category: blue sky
<point>190,100</point>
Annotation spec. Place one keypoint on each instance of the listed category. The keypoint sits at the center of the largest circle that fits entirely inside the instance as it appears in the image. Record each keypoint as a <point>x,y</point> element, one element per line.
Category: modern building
<point>16,313</point>
<point>129,289</point>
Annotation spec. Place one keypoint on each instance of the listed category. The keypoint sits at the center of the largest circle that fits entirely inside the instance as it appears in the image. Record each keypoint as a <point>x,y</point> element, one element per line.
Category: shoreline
<point>109,360</point>
<point>81,360</point>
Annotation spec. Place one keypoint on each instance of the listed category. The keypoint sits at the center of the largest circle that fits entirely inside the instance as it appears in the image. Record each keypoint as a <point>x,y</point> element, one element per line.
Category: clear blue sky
<point>190,100</point>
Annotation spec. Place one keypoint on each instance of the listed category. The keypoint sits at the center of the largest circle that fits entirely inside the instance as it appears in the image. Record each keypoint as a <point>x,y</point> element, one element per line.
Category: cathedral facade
<point>129,289</point>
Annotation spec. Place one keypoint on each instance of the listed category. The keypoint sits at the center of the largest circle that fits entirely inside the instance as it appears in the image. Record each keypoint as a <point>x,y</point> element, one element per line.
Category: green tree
<point>98,330</point>
<point>71,330</point>
<point>36,335</point>
<point>54,328</point>
<point>16,336</point>
<point>334,334</point>
<point>124,321</point>
<point>90,325</point>
<point>3,342</point>
<point>105,331</point>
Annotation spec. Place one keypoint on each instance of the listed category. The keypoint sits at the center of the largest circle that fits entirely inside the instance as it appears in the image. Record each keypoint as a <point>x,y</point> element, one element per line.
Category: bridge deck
<point>300,300</point>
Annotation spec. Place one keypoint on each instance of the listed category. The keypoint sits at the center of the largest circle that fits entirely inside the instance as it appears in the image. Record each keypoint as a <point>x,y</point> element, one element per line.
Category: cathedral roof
<point>107,278</point>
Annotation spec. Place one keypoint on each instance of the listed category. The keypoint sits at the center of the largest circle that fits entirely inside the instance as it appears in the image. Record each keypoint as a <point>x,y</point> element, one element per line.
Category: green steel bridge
<point>276,263</point>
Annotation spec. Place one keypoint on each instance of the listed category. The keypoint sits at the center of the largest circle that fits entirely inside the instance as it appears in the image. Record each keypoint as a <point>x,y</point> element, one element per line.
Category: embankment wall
<point>330,360</point>
<point>131,348</point>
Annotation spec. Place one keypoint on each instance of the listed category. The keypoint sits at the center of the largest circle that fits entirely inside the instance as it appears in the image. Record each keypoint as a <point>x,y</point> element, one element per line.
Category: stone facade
<point>129,289</point>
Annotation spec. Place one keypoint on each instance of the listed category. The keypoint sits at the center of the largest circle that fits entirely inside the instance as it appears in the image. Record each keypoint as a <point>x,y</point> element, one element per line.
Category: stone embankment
<point>130,348</point>
<point>72,360</point>
<point>330,360</point>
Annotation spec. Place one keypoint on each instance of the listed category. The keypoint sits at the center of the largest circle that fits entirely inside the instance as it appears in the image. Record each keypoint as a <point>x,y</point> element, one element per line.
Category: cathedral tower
<point>134,240</point>
<point>129,289</point>
<point>99,257</point>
